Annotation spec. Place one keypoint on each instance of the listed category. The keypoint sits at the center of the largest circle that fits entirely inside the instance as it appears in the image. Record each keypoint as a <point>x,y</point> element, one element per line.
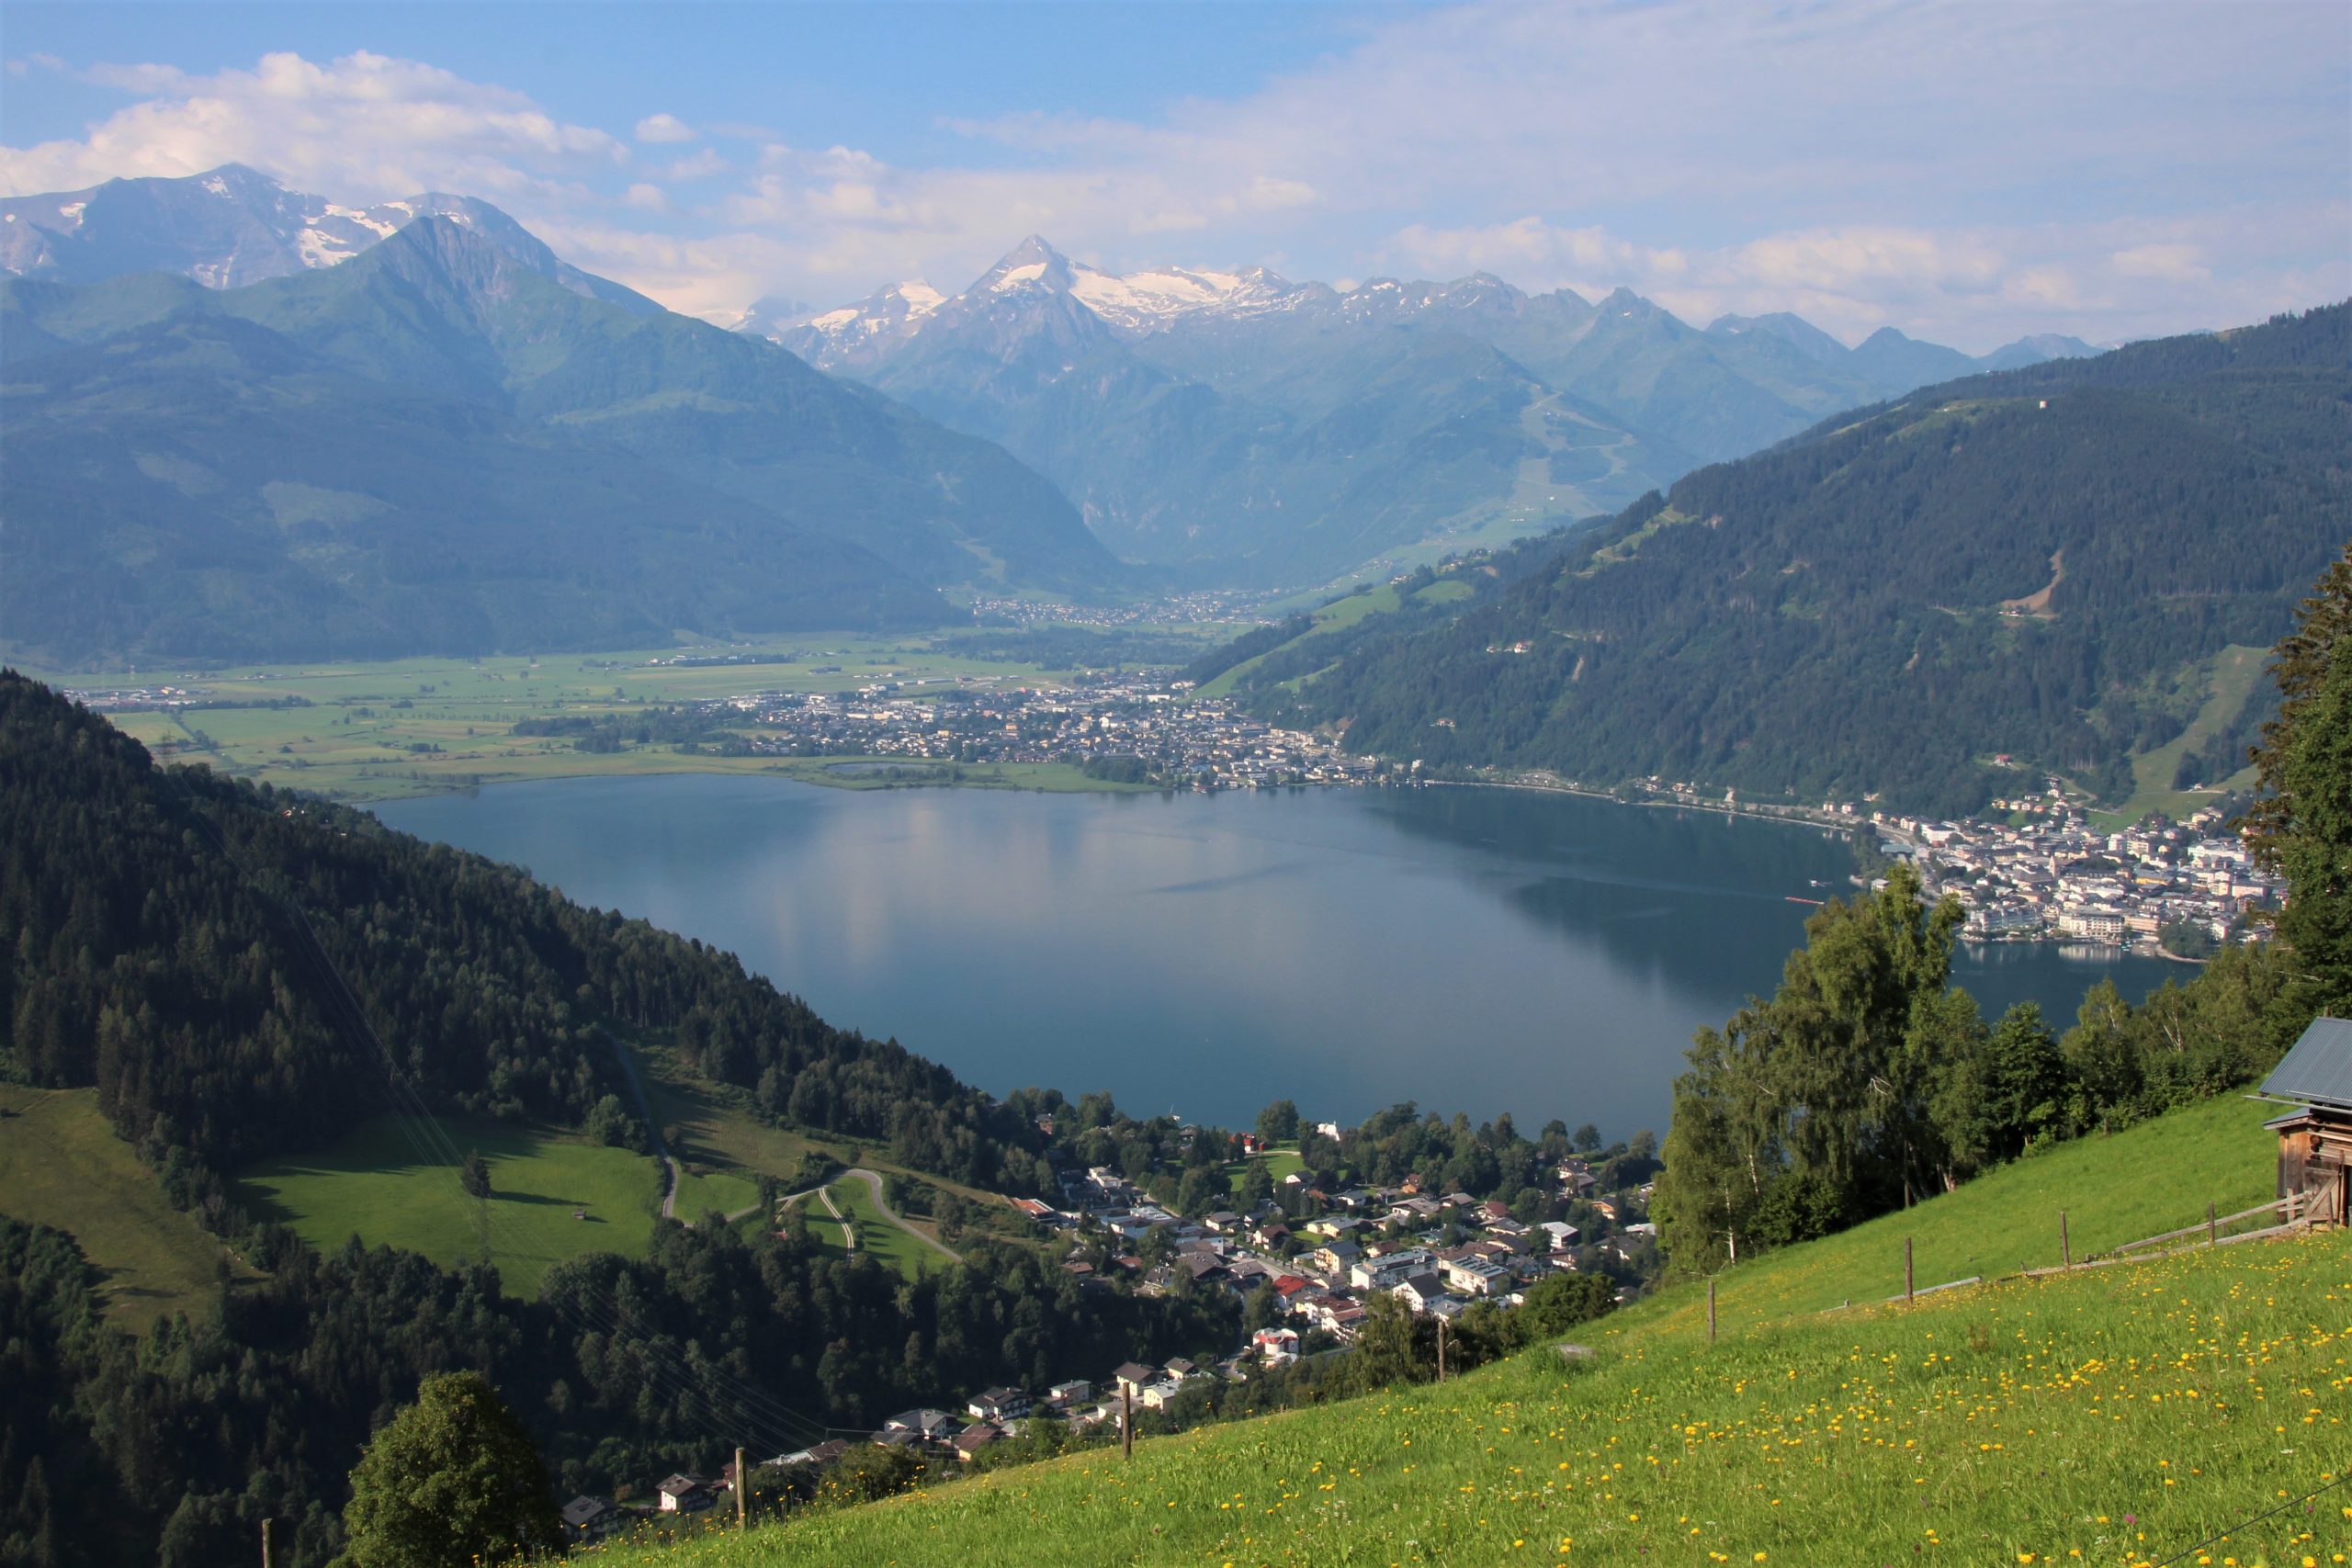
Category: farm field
<point>360,732</point>
<point>2114,1415</point>
<point>383,1185</point>
<point>61,1165</point>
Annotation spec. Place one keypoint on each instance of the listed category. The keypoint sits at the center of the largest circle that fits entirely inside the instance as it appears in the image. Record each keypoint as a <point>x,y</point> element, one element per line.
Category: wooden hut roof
<point>2318,1070</point>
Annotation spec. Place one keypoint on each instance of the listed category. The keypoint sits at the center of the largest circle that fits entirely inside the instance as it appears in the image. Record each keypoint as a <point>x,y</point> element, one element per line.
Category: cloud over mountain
<point>1972,173</point>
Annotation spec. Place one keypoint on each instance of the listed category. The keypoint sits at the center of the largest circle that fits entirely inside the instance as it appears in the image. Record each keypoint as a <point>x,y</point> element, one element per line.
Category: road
<point>874,1185</point>
<point>653,1129</point>
<point>848,1226</point>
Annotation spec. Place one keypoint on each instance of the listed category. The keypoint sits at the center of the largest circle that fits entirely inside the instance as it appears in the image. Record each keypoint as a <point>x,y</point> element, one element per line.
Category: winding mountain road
<point>653,1129</point>
<point>874,1186</point>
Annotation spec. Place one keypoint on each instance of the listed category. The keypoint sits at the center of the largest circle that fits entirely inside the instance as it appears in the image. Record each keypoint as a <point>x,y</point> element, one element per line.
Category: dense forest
<point>2033,563</point>
<point>1868,1079</point>
<point>225,962</point>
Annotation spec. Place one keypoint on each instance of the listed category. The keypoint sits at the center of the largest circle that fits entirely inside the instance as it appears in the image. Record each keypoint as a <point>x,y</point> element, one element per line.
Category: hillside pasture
<point>61,1165</point>
<point>386,1184</point>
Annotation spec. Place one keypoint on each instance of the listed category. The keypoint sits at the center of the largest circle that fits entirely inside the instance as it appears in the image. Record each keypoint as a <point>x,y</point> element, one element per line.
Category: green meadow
<point>362,732</point>
<point>61,1165</point>
<point>552,1196</point>
<point>2119,1414</point>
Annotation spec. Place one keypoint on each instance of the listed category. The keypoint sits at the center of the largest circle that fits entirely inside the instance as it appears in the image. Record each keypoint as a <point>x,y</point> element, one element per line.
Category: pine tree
<point>2301,828</point>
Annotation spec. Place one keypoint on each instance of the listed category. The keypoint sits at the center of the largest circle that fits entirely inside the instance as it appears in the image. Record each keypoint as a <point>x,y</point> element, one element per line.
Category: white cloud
<point>698,165</point>
<point>664,127</point>
<point>1962,172</point>
<point>364,127</point>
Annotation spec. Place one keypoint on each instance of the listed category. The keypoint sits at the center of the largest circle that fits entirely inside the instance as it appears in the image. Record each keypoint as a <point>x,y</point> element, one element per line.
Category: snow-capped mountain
<point>234,226</point>
<point>1134,304</point>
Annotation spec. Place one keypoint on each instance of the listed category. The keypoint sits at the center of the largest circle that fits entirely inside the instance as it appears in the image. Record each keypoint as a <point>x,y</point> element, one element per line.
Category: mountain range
<point>1221,428</point>
<point>1939,600</point>
<point>450,442</point>
<point>1254,429</point>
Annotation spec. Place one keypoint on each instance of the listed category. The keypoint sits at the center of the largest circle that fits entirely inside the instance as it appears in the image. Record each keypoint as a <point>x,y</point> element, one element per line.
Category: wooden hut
<point>2315,1141</point>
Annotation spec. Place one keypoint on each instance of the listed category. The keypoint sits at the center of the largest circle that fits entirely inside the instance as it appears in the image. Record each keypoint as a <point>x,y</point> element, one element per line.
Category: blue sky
<point>1966,172</point>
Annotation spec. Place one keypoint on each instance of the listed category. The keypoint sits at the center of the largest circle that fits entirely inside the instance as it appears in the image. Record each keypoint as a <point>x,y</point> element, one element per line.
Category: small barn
<point>2315,1141</point>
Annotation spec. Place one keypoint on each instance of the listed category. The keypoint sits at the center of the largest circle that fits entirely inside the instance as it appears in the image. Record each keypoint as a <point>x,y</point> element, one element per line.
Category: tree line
<point>1867,1081</point>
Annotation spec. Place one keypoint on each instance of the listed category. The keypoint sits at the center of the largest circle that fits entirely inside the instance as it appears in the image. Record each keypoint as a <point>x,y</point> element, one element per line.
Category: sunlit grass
<point>2111,1417</point>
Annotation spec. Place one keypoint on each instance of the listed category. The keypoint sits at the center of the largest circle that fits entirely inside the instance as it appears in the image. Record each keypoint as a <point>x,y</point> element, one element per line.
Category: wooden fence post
<point>1907,1296</point>
<point>2065,1248</point>
<point>2212,1229</point>
<point>265,1544</point>
<point>1441,1349</point>
<point>743,1494</point>
<point>1126,1420</point>
<point>1710,1309</point>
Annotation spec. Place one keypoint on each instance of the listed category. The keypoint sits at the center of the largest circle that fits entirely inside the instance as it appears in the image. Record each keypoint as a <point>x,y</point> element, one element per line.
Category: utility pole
<point>743,1494</point>
<point>1126,1420</point>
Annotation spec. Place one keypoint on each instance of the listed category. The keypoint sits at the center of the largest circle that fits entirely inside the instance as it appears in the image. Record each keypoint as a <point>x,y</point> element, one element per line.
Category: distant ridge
<point>435,446</point>
<point>233,226</point>
<point>2042,564</point>
<point>1249,428</point>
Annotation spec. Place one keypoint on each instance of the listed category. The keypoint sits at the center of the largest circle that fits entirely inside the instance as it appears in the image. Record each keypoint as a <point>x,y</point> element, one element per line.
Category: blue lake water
<point>1469,950</point>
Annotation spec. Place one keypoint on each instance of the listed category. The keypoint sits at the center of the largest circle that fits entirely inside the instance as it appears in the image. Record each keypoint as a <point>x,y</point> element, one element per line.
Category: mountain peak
<point>442,253</point>
<point>1031,264</point>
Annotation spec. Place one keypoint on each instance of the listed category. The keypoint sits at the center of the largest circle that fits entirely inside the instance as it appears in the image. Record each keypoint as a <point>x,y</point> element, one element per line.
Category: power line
<point>2256,1521</point>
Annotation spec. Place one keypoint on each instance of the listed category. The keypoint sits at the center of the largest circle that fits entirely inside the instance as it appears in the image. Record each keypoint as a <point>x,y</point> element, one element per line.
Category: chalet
<point>817,1456</point>
<point>972,1439</point>
<point>591,1518</point>
<point>1474,1276</point>
<point>1335,1256</point>
<point>1276,1344</point>
<point>1420,1292</point>
<point>684,1494</point>
<point>1062,1396</point>
<point>1132,1377</point>
<point>2315,1141</point>
<point>930,1425</point>
<point>998,1405</point>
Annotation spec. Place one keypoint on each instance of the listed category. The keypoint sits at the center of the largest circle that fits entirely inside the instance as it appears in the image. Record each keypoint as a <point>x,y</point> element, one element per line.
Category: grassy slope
<point>2121,1414</point>
<point>61,1165</point>
<point>376,1185</point>
<point>1338,616</point>
<point>2230,683</point>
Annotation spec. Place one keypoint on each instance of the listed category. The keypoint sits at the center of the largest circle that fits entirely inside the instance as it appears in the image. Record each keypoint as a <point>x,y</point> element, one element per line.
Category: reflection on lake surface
<point>1468,949</point>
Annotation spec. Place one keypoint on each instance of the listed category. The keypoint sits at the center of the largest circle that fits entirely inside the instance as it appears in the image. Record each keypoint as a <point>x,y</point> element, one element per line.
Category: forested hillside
<point>183,942</point>
<point>2036,563</point>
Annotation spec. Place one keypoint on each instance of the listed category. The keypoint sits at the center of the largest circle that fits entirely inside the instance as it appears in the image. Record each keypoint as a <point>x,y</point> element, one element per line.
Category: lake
<point>1476,950</point>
